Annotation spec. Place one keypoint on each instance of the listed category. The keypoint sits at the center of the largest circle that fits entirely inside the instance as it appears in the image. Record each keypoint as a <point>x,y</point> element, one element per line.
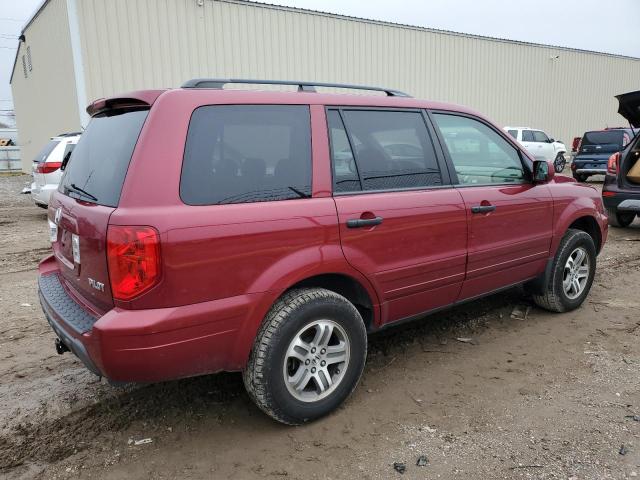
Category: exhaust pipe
<point>61,347</point>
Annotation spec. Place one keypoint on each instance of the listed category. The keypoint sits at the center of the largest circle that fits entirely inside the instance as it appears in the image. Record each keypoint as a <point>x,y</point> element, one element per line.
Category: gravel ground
<point>551,396</point>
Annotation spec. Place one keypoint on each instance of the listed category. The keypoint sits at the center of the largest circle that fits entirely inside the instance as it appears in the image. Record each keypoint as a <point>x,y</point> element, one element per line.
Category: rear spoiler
<point>139,99</point>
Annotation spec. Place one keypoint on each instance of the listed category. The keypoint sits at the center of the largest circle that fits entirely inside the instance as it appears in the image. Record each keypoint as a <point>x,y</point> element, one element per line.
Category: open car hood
<point>629,107</point>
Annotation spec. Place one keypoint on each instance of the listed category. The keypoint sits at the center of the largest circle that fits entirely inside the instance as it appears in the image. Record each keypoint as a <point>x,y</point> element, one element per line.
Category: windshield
<point>100,160</point>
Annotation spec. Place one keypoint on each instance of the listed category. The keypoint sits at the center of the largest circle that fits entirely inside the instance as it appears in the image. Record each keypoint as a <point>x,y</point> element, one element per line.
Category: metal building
<point>74,51</point>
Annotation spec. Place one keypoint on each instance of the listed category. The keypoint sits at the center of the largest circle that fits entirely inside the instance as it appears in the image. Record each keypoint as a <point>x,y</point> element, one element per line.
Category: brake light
<point>133,256</point>
<point>48,167</point>
<point>612,164</point>
<point>575,146</point>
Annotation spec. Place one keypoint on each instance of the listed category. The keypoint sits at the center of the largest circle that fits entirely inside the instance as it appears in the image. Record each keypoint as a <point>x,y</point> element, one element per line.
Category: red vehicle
<point>199,229</point>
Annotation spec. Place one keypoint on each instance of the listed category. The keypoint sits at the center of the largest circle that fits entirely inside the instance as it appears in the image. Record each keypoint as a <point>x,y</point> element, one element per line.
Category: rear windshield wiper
<point>74,188</point>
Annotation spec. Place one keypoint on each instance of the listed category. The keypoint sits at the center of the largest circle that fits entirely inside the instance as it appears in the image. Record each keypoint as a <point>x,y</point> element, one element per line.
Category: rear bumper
<point>625,200</point>
<point>591,171</point>
<point>42,193</point>
<point>146,345</point>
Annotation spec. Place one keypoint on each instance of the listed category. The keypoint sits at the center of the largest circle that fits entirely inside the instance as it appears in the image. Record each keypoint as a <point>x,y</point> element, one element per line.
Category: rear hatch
<point>596,147</point>
<point>629,107</point>
<point>88,193</point>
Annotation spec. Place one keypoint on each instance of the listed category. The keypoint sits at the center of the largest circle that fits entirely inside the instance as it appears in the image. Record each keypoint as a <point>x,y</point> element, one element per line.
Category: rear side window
<point>67,149</point>
<point>46,151</point>
<point>98,166</point>
<point>392,150</point>
<point>247,153</point>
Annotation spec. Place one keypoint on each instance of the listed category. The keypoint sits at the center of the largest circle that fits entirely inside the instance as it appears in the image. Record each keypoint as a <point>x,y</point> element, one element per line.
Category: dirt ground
<point>551,396</point>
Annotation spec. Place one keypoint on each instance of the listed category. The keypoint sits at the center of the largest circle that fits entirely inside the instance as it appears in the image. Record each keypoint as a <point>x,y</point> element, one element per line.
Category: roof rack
<point>219,83</point>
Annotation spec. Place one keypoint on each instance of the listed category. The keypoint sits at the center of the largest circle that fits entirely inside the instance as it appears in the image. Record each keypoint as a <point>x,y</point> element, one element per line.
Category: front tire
<point>572,273</point>
<point>620,219</point>
<point>308,356</point>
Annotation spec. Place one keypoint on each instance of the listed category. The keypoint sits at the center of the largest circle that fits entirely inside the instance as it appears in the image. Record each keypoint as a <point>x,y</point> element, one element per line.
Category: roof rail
<point>219,83</point>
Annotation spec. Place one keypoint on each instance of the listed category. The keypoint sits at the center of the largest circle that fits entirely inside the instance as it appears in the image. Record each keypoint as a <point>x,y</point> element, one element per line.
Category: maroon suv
<point>200,229</point>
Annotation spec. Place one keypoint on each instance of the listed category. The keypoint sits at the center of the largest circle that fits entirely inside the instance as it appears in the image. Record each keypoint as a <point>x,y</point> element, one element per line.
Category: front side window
<point>479,154</point>
<point>539,136</point>
<point>513,133</point>
<point>247,153</point>
<point>392,150</point>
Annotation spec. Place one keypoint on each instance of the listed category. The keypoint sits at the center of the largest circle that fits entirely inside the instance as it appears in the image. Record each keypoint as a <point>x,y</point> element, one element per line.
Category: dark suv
<point>621,196</point>
<point>200,229</point>
<point>595,149</point>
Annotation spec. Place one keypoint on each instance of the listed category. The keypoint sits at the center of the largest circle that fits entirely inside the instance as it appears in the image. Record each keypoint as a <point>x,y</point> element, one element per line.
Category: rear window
<point>96,170</point>
<point>605,141</point>
<point>247,153</point>
<point>46,151</point>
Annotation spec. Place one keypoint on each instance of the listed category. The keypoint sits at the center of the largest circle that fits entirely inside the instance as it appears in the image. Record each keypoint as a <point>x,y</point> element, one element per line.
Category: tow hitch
<point>61,347</point>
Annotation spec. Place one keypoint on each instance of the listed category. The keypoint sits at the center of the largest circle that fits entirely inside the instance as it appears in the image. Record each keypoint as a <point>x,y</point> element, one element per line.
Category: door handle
<point>483,208</point>
<point>363,222</point>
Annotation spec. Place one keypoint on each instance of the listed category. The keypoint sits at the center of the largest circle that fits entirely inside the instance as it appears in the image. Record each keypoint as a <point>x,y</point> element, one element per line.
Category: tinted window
<point>345,171</point>
<point>101,158</point>
<point>392,149</point>
<point>527,136</point>
<point>67,149</point>
<point>247,153</point>
<point>540,137</point>
<point>479,154</point>
<point>46,151</point>
<point>513,133</point>
<point>607,141</point>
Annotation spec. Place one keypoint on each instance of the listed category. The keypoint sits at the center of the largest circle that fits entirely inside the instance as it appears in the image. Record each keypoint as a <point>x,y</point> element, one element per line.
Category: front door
<point>401,222</point>
<point>510,218</point>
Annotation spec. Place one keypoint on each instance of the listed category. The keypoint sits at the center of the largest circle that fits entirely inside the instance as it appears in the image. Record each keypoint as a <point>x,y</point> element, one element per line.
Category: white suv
<point>46,167</point>
<point>540,145</point>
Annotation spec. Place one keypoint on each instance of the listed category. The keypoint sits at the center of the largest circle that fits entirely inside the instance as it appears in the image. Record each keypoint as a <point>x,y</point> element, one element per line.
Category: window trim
<point>440,160</point>
<point>311,154</point>
<point>524,160</point>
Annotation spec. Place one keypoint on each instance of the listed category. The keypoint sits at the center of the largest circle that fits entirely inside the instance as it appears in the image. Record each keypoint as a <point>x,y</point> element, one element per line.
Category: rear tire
<point>308,356</point>
<point>620,219</point>
<point>559,163</point>
<point>580,177</point>
<point>572,273</point>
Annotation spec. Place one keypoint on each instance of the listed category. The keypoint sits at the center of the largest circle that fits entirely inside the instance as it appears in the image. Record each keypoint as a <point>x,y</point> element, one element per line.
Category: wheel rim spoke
<point>576,273</point>
<point>316,360</point>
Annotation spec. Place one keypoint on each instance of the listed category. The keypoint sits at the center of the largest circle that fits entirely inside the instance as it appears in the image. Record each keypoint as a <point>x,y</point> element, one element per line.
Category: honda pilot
<point>204,229</point>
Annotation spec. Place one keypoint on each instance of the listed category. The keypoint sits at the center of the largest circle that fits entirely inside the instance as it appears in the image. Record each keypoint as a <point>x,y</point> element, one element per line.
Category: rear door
<point>88,193</point>
<point>510,218</point>
<point>402,224</point>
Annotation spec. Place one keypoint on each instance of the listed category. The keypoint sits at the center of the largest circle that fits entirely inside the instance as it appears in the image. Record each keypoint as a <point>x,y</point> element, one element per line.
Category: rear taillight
<point>133,255</point>
<point>48,167</point>
<point>612,164</point>
<point>575,146</point>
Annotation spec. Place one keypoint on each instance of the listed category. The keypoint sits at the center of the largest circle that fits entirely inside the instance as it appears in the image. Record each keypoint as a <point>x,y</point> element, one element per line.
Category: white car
<point>540,145</point>
<point>46,167</point>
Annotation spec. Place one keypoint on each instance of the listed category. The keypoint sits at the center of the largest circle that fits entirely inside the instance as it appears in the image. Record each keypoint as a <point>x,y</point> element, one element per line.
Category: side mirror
<point>543,171</point>
<point>551,140</point>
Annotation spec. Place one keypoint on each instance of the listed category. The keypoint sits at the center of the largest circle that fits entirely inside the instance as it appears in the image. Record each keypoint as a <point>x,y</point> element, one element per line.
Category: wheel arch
<point>589,225</point>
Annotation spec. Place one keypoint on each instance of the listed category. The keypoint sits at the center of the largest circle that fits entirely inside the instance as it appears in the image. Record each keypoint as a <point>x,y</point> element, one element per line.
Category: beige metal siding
<point>45,102</point>
<point>134,44</point>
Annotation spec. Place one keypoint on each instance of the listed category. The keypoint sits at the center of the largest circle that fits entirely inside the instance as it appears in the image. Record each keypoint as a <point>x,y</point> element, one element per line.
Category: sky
<point>609,26</point>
